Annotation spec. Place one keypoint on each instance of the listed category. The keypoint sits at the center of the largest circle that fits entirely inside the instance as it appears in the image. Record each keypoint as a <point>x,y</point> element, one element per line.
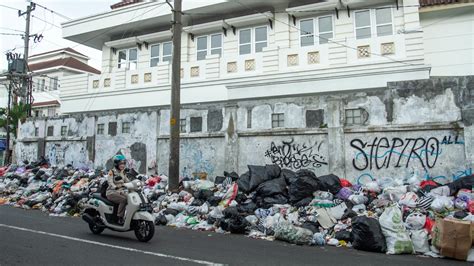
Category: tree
<point>18,112</point>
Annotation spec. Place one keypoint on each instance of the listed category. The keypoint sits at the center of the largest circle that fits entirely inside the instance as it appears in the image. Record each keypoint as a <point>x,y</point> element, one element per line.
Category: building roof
<point>48,103</point>
<point>67,62</point>
<point>124,3</point>
<point>63,49</point>
<point>424,3</point>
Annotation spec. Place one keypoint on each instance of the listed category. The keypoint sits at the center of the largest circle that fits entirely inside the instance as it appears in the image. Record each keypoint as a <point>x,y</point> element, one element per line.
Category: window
<point>204,48</point>
<point>41,85</point>
<point>248,45</point>
<point>154,55</point>
<point>37,113</point>
<point>112,128</point>
<point>51,112</point>
<point>249,118</point>
<point>167,51</point>
<point>63,131</point>
<point>314,118</point>
<point>127,58</point>
<point>100,129</point>
<point>307,30</point>
<point>364,22</point>
<point>356,116</point>
<point>196,124</point>
<point>36,131</point>
<point>278,120</point>
<point>182,125</point>
<point>383,18</point>
<point>126,127</point>
<point>50,131</point>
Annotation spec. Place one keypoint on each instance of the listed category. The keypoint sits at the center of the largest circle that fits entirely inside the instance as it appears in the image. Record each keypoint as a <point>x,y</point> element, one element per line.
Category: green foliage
<point>18,112</point>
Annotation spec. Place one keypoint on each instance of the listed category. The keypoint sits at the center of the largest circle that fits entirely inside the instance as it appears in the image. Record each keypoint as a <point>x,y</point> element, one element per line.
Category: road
<point>34,238</point>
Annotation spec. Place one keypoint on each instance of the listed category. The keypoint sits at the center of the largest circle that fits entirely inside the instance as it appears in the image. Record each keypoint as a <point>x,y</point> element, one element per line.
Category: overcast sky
<point>9,21</point>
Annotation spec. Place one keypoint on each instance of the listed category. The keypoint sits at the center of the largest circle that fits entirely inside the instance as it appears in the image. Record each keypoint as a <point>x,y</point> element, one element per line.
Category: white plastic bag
<point>442,203</point>
<point>285,231</point>
<point>415,221</point>
<point>409,199</point>
<point>396,235</point>
<point>420,241</point>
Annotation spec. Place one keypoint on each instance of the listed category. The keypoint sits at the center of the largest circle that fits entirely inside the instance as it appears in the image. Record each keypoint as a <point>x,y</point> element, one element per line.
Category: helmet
<point>119,158</point>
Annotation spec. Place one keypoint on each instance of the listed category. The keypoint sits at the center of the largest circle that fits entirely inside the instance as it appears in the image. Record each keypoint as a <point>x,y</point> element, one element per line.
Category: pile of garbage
<point>390,215</point>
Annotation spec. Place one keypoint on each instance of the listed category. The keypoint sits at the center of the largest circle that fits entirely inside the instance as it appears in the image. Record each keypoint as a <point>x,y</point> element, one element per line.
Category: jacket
<point>114,183</point>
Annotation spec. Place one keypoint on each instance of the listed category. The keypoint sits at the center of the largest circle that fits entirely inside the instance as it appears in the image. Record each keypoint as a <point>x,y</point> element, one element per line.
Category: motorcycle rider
<point>116,190</point>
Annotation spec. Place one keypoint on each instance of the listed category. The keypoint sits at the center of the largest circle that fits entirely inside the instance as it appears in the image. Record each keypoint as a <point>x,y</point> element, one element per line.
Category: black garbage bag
<point>258,175</point>
<point>349,213</point>
<point>219,180</point>
<point>214,201</point>
<point>272,187</point>
<point>211,220</point>
<point>367,235</point>
<point>247,208</point>
<point>171,211</point>
<point>237,225</point>
<point>197,202</point>
<point>466,182</point>
<point>231,212</point>
<point>161,220</point>
<point>344,235</point>
<point>304,186</point>
<point>330,183</point>
<point>289,175</point>
<point>203,194</point>
<point>272,171</point>
<point>268,202</point>
<point>312,226</point>
<point>240,198</point>
<point>244,183</point>
<point>304,202</point>
<point>232,175</point>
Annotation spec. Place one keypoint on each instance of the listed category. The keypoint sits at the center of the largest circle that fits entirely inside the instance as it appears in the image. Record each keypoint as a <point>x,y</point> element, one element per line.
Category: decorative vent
<point>135,79</point>
<point>292,60</point>
<point>313,58</point>
<point>95,84</point>
<point>231,67</point>
<point>249,65</point>
<point>388,48</point>
<point>107,82</point>
<point>195,71</point>
<point>363,51</point>
<point>147,77</point>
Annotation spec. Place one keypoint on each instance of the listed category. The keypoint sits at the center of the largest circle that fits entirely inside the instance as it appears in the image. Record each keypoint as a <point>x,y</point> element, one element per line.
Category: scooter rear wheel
<point>95,229</point>
<point>144,230</point>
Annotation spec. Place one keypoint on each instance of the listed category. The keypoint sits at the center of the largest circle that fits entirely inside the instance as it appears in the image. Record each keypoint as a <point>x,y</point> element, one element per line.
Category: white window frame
<point>182,125</point>
<point>209,47</point>
<point>278,120</point>
<point>163,55</point>
<point>63,131</point>
<point>51,112</point>
<point>373,22</point>
<point>127,60</point>
<point>159,53</point>
<point>316,33</point>
<point>252,42</point>
<point>126,127</point>
<point>100,129</point>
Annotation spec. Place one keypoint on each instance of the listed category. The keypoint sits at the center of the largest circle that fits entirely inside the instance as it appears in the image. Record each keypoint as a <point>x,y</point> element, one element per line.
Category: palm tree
<point>18,112</point>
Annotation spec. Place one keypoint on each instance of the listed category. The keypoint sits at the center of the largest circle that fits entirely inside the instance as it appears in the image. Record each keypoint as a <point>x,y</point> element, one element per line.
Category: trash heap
<point>390,215</point>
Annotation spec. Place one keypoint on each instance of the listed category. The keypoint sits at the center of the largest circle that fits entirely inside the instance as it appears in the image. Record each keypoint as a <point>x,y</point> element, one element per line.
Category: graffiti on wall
<point>384,153</point>
<point>290,154</point>
<point>69,153</point>
<point>195,161</point>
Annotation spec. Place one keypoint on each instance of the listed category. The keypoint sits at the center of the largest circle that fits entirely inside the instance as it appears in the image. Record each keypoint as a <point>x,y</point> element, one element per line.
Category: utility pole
<point>7,146</point>
<point>175,99</point>
<point>24,88</point>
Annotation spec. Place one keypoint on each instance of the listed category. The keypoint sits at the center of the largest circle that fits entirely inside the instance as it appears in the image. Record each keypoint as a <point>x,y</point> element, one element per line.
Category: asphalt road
<point>34,238</point>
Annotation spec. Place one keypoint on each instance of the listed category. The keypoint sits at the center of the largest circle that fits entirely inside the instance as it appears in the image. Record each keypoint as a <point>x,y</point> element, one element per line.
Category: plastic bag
<point>230,195</point>
<point>373,186</point>
<point>318,239</point>
<point>440,191</point>
<point>394,193</point>
<point>244,183</point>
<point>330,183</point>
<point>344,193</point>
<point>409,199</point>
<point>252,219</point>
<point>398,239</point>
<point>415,221</point>
<point>367,235</point>
<point>442,204</point>
<point>420,241</point>
<point>304,186</point>
<point>272,187</point>
<point>285,231</point>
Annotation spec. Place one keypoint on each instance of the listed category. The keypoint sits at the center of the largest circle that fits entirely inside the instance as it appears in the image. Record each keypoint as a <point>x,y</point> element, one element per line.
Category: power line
<point>46,21</point>
<point>54,12</point>
<point>5,28</point>
<point>16,9</point>
<point>15,34</point>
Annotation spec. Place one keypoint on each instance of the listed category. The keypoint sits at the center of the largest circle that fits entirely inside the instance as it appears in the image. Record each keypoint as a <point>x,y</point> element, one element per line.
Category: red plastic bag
<point>345,183</point>
<point>429,224</point>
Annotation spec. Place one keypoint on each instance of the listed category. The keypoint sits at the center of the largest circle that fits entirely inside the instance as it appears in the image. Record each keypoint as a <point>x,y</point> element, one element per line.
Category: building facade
<point>342,87</point>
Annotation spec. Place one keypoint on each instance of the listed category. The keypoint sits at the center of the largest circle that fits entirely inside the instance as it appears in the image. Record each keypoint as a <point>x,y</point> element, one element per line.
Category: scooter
<point>100,213</point>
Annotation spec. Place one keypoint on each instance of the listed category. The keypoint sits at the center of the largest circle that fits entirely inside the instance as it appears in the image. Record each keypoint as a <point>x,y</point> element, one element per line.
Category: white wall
<point>449,41</point>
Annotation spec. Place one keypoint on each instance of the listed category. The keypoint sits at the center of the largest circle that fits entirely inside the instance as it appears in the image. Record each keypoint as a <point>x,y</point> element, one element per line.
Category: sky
<point>11,23</point>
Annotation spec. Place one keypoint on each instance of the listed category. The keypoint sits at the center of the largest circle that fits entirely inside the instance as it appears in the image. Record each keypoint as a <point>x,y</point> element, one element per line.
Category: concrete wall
<point>419,126</point>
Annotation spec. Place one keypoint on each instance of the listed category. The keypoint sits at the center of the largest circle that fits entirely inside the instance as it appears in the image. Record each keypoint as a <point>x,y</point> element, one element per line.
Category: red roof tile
<point>124,3</point>
<point>64,49</point>
<point>69,62</point>
<point>437,2</point>
<point>53,102</point>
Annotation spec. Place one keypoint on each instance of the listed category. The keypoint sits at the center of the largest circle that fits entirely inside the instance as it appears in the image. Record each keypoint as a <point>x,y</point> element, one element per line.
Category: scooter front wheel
<point>144,230</point>
<point>95,229</point>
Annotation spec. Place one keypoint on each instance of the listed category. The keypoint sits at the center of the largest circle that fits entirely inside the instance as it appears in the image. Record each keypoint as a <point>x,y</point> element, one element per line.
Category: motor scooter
<point>100,213</point>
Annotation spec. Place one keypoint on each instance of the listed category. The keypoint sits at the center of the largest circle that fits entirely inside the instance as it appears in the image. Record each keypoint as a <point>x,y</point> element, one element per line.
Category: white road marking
<point>111,246</point>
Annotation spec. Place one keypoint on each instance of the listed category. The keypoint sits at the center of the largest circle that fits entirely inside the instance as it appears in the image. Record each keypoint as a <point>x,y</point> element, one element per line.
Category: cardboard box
<point>453,238</point>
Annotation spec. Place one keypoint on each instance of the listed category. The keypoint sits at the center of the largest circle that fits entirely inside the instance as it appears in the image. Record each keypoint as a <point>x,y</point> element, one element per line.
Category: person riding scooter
<point>116,190</point>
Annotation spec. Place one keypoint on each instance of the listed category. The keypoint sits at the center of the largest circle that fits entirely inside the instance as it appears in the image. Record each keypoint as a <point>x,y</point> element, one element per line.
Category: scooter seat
<point>103,199</point>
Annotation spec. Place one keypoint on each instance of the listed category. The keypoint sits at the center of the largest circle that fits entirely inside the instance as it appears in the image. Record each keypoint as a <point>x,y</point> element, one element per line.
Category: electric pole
<point>7,159</point>
<point>29,9</point>
<point>175,99</point>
